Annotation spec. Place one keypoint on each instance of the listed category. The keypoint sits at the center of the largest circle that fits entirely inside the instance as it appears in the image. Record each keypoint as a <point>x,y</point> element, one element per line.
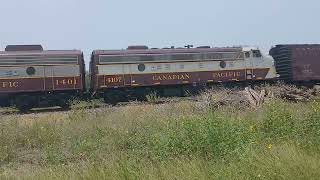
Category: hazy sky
<point>112,24</point>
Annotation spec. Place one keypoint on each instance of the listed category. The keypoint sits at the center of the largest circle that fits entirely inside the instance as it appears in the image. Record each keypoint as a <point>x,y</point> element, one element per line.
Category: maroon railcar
<point>33,77</point>
<point>297,62</point>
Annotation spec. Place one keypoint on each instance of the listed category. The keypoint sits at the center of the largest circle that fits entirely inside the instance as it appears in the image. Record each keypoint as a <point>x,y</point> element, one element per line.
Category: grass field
<point>178,140</point>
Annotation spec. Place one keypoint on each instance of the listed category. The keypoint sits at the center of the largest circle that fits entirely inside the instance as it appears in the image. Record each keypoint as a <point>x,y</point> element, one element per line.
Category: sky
<point>115,24</point>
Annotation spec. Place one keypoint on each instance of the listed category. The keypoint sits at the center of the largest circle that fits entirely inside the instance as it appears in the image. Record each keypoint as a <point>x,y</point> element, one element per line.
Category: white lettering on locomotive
<point>164,77</point>
<point>232,74</point>
<point>114,79</point>
<point>10,84</point>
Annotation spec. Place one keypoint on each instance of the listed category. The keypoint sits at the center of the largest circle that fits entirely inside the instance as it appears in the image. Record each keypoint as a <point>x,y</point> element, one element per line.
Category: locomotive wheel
<point>24,108</point>
<point>4,103</point>
<point>24,103</point>
<point>110,100</point>
<point>64,103</point>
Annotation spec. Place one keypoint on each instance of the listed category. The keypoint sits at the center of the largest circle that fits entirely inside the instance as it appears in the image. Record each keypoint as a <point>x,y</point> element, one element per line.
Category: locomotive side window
<point>247,54</point>
<point>141,67</point>
<point>223,64</point>
<point>31,71</point>
<point>171,57</point>
<point>256,53</point>
<point>167,66</point>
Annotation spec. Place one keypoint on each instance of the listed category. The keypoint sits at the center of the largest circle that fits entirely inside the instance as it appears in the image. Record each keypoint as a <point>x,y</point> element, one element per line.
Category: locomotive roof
<point>44,52</point>
<point>166,51</point>
<point>299,45</point>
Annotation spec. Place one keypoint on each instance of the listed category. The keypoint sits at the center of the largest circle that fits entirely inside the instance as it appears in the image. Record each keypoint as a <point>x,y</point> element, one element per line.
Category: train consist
<point>32,77</point>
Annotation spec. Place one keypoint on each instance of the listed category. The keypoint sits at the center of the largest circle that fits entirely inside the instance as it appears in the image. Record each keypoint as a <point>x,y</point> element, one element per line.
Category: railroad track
<point>13,111</point>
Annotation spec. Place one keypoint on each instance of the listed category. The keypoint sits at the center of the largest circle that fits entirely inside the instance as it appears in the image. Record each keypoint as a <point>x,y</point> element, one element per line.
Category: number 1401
<point>66,82</point>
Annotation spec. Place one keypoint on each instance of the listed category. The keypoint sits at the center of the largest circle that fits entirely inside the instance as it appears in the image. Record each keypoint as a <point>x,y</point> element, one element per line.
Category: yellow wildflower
<point>270,146</point>
<point>253,128</point>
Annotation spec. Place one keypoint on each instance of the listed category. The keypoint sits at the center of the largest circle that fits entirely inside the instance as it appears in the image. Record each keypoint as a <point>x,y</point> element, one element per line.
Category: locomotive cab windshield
<point>255,61</point>
<point>256,54</point>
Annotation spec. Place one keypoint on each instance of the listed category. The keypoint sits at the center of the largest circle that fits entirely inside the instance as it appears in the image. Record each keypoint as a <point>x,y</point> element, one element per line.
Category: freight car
<point>298,63</point>
<point>136,71</point>
<point>33,77</point>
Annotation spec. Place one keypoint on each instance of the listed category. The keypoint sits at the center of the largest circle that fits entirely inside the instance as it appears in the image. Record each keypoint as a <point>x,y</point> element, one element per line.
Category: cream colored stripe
<point>38,77</point>
<point>167,61</point>
<point>173,72</point>
<point>181,72</point>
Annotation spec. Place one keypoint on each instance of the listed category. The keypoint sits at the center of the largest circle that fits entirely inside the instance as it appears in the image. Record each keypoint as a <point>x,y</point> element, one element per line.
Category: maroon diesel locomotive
<point>138,70</point>
<point>33,77</point>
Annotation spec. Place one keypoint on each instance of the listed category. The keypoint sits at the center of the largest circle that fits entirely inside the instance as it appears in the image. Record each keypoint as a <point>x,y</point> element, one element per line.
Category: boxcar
<point>297,62</point>
<point>33,77</point>
<point>116,73</point>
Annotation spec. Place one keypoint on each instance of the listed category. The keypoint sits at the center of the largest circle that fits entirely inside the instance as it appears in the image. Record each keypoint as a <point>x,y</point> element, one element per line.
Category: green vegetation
<point>152,97</point>
<point>180,140</point>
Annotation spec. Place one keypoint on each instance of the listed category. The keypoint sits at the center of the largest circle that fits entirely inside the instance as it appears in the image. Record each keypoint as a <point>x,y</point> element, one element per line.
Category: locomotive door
<point>249,65</point>
<point>127,78</point>
<point>48,78</point>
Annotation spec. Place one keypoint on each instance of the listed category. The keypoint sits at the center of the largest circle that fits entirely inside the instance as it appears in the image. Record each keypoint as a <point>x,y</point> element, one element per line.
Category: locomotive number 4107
<point>66,82</point>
